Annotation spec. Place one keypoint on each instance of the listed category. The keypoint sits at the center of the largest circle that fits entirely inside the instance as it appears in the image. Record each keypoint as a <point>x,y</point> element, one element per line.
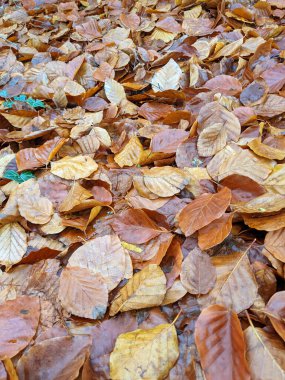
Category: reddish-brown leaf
<point>221,345</point>
<point>215,232</point>
<point>203,210</point>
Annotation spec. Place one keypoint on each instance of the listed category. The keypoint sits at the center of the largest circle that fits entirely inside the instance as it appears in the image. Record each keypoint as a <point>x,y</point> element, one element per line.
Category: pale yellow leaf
<point>174,293</point>
<point>212,139</point>
<point>13,244</point>
<point>74,167</point>
<point>114,91</point>
<point>167,78</point>
<point>131,153</point>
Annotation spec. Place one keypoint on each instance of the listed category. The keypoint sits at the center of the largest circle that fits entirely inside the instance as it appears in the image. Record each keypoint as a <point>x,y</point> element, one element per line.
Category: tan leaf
<point>276,312</point>
<point>73,88</point>
<point>273,106</point>
<point>114,91</point>
<point>235,287</point>
<point>276,180</point>
<point>131,153</point>
<point>174,293</point>
<point>104,255</point>
<point>265,223</point>
<point>13,244</point>
<point>203,210</point>
<point>164,181</point>
<point>151,357</point>
<point>83,293</point>
<point>19,320</point>
<point>268,202</point>
<point>74,167</point>
<point>265,355</point>
<point>167,78</point>
<point>215,232</point>
<point>275,242</point>
<point>228,50</point>
<point>219,339</point>
<point>77,194</point>
<point>32,206</point>
<point>212,139</point>
<point>234,160</point>
<point>146,288</point>
<point>198,275</point>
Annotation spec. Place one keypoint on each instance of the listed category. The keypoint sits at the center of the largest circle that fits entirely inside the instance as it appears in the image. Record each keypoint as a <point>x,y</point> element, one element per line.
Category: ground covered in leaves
<point>142,164</point>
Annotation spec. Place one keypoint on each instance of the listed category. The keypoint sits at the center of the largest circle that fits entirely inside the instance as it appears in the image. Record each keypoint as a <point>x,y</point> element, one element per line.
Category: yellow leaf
<point>159,34</point>
<point>167,78</point>
<point>77,194</point>
<point>131,247</point>
<point>131,153</point>
<point>74,167</point>
<point>145,289</point>
<point>174,293</point>
<point>276,181</point>
<point>13,244</point>
<point>114,91</point>
<point>73,88</point>
<point>266,151</point>
<point>228,50</point>
<point>144,354</point>
<point>193,12</point>
<point>212,139</point>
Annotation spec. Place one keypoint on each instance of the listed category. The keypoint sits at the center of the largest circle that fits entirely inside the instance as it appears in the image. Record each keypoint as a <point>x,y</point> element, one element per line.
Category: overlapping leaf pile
<point>142,163</point>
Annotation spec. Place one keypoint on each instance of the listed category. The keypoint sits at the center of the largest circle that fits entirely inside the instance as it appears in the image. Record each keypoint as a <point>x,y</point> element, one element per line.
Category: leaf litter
<point>142,190</point>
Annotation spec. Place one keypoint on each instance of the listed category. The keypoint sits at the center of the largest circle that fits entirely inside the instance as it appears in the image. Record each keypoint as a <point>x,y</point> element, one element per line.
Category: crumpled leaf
<point>152,357</point>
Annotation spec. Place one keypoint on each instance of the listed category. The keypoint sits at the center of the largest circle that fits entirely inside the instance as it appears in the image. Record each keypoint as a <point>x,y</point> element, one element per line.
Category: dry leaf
<point>167,78</point>
<point>13,244</point>
<point>103,255</point>
<point>152,357</point>
<point>131,153</point>
<point>274,242</point>
<point>203,210</point>
<point>19,320</point>
<point>215,232</point>
<point>146,288</point>
<point>83,293</point>
<point>265,348</point>
<point>198,275</point>
<point>74,167</point>
<point>219,339</point>
<point>276,312</point>
<point>114,91</point>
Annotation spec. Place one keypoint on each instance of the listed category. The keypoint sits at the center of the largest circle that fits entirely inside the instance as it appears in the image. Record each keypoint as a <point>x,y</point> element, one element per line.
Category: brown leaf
<point>219,339</point>
<point>19,320</point>
<point>168,140</point>
<point>56,358</point>
<point>276,312</point>
<point>265,348</point>
<point>198,275</point>
<point>134,226</point>
<point>274,242</point>
<point>83,293</point>
<point>203,210</point>
<point>243,188</point>
<point>215,232</point>
<point>225,84</point>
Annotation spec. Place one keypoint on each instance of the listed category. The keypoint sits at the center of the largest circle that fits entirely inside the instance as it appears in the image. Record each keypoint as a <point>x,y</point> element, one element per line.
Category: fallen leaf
<point>146,288</point>
<point>167,78</point>
<point>83,293</point>
<point>215,232</point>
<point>276,312</point>
<point>131,153</point>
<point>134,226</point>
<point>43,358</point>
<point>13,244</point>
<point>274,242</point>
<point>114,91</point>
<point>154,354</point>
<point>265,347</point>
<point>19,320</point>
<point>198,275</point>
<point>74,167</point>
<point>103,255</point>
<point>203,210</point>
<point>219,339</point>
